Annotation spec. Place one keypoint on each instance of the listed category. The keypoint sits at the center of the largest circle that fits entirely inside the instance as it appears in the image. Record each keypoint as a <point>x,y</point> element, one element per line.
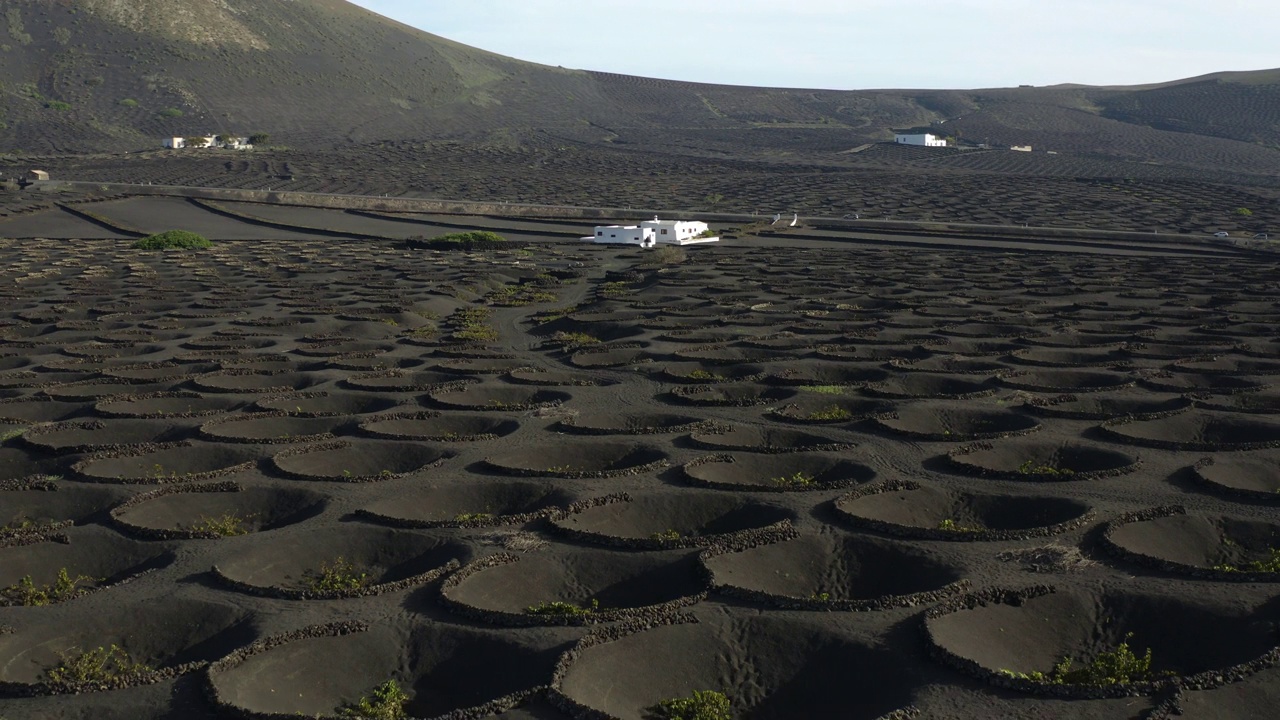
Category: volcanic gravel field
<point>827,480</point>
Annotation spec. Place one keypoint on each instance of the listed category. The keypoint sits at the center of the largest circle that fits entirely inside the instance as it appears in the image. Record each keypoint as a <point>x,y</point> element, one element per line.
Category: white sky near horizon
<point>863,44</point>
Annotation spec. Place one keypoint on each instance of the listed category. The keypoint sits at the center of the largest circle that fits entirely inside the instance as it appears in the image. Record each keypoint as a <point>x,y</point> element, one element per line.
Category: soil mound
<point>1262,402</point>
<point>170,636</point>
<point>255,382</point>
<point>1197,430</point>
<point>955,423</point>
<point>480,366</point>
<point>823,374</point>
<point>1191,382</point>
<point>757,438</point>
<point>776,473</point>
<point>584,459</point>
<point>215,511</point>
<point>995,634</point>
<point>554,378</point>
<point>909,509</point>
<point>403,381</point>
<point>488,397</point>
<point>184,463</point>
<point>833,571</point>
<point>93,435</point>
<point>295,673</point>
<point>495,503</point>
<point>17,464</point>
<point>1042,461</point>
<point>167,405</point>
<point>440,427</point>
<point>1230,365</point>
<point>326,404</point>
<point>729,395</point>
<point>602,585</point>
<point>1107,407</point>
<point>34,511</point>
<point>1221,547</point>
<point>338,562</point>
<point>707,374</point>
<point>951,364</point>
<point>38,409</point>
<point>821,409</point>
<point>654,522</point>
<point>769,668</point>
<point>363,461</point>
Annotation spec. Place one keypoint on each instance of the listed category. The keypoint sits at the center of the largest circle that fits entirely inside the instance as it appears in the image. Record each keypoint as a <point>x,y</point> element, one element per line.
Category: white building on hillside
<point>919,138</point>
<point>654,232</point>
<point>210,141</point>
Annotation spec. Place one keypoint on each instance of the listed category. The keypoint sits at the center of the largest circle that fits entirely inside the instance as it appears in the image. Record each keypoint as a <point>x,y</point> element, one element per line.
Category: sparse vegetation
<point>702,705</point>
<point>25,592</point>
<point>386,702</point>
<point>705,375</point>
<point>615,290</point>
<point>58,105</point>
<point>471,236</point>
<point>950,525</point>
<point>470,517</point>
<point>173,240</point>
<point>128,102</point>
<point>798,480</point>
<point>669,255</point>
<point>8,435</point>
<point>563,609</point>
<point>337,576</point>
<point>1110,667</point>
<point>101,667</point>
<point>471,325</point>
<point>832,413</point>
<point>1031,467</point>
<point>827,389</point>
<point>225,525</point>
<point>170,113</point>
<point>665,535</point>
<point>1270,565</point>
<point>575,338</point>
<point>1244,211</point>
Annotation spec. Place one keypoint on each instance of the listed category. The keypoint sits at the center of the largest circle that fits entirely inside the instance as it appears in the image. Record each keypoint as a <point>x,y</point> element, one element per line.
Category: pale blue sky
<point>860,44</point>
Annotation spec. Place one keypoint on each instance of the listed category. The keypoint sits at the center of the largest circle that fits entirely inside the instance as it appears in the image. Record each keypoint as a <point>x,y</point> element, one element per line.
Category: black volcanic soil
<point>841,449</point>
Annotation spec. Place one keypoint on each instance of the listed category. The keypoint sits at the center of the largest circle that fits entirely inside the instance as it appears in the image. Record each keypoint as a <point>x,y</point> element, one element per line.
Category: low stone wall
<point>1204,573</point>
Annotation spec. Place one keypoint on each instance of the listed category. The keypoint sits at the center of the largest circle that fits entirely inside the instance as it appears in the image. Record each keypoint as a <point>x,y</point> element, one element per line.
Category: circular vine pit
<point>95,435</point>
<point>184,463</point>
<point>440,427</point>
<point>763,439</point>
<point>470,504</point>
<point>574,587</point>
<point>825,375</point>
<point>396,382</point>
<point>166,637</point>
<point>1213,546</point>
<point>270,429</point>
<point>652,522</point>
<point>833,571</point>
<point>93,557</point>
<point>1262,402</point>
<point>1105,407</point>
<point>612,423</point>
<point>363,461</point>
<point>167,405</point>
<point>1042,461</point>
<point>328,404</point>
<point>253,382</point>
<point>1006,637</point>
<point>1197,430</point>
<point>581,459</point>
<point>489,398</point>
<point>215,511</point>
<point>35,511</point>
<point>330,563</point>
<point>1067,381</point>
<point>955,423</point>
<point>909,509</point>
<point>767,667</point>
<point>294,674</point>
<point>730,395</point>
<point>824,409</point>
<point>792,472</point>
<point>923,386</point>
<point>1255,478</point>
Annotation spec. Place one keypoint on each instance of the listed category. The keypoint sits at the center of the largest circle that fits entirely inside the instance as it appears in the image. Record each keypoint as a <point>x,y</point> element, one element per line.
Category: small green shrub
<point>615,290</point>
<point>25,592</point>
<point>470,236</point>
<point>58,105</point>
<point>950,525</point>
<point>830,414</point>
<point>701,374</point>
<point>386,702</point>
<point>575,338</point>
<point>666,535</point>
<point>558,608</point>
<point>1270,565</point>
<point>129,102</point>
<point>103,666</point>
<point>702,705</point>
<point>1031,468</point>
<point>798,480</point>
<point>827,389</point>
<point>173,240</point>
<point>468,517</point>
<point>337,576</point>
<point>170,113</point>
<point>1110,667</point>
<point>226,525</point>
<point>1244,211</point>
<point>11,434</point>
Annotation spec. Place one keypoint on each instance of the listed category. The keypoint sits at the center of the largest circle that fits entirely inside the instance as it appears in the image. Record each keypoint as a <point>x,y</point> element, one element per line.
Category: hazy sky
<point>858,44</point>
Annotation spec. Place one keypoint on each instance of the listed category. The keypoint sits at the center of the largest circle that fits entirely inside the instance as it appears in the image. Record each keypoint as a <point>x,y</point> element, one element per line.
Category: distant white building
<point>1020,148</point>
<point>210,141</point>
<point>922,139</point>
<point>175,143</point>
<point>654,232</point>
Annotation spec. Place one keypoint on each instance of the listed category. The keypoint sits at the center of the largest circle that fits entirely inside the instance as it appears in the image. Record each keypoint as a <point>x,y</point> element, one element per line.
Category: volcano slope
<point>361,463</point>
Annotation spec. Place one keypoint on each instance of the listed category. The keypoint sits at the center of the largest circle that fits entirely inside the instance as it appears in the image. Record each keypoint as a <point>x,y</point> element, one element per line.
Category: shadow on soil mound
<point>1067,381</point>
<point>91,435</point>
<point>471,505</point>
<point>442,427</point>
<point>574,587</point>
<point>362,461</point>
<point>921,385</point>
<point>669,520</point>
<point>912,510</point>
<point>349,561</point>
<point>733,394</point>
<point>769,668</point>
<point>327,404</point>
<point>756,438</point>
<point>498,397</point>
<point>320,670</point>
<point>101,556</point>
<point>25,511</point>
<point>170,637</point>
<point>1106,407</point>
<point>269,428</point>
<point>1197,430</point>
<point>824,409</point>
<point>1255,478</point>
<point>833,571</point>
<point>184,463</point>
<point>776,473</point>
<point>613,423</point>
<point>1218,546</point>
<point>955,423</point>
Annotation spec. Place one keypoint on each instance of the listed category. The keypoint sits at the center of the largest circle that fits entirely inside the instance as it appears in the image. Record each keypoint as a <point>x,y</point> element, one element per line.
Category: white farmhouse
<point>919,138</point>
<point>654,232</point>
<point>175,143</point>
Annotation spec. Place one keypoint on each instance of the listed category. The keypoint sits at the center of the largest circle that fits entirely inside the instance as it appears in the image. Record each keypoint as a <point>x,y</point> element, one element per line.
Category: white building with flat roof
<point>922,139</point>
<point>655,232</point>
